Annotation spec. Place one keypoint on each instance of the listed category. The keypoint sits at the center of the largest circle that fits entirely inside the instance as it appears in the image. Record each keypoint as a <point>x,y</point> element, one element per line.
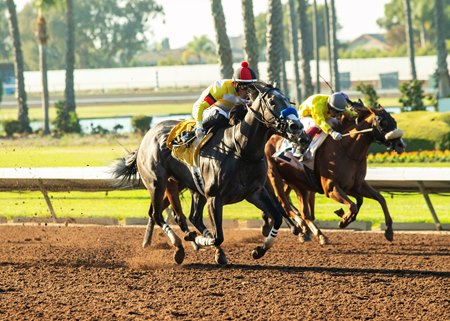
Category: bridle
<point>280,124</point>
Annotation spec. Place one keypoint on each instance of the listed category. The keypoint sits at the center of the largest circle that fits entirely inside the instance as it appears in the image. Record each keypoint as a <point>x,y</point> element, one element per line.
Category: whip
<point>358,132</point>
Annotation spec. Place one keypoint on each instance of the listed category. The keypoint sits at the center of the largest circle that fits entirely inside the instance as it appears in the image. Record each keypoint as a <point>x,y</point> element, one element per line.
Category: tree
<point>334,47</point>
<point>42,38</point>
<point>69,92</point>
<point>7,47</point>
<point>410,38</point>
<point>222,40</point>
<point>443,78</point>
<point>110,37</point>
<point>327,39</point>
<point>274,50</point>
<point>202,48</point>
<point>316,44</point>
<point>250,41</point>
<point>305,48</point>
<point>21,94</point>
<point>294,49</point>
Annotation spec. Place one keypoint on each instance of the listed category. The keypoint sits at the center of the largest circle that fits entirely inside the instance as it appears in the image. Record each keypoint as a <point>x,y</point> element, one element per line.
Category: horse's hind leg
<point>157,188</point>
<point>172,195</point>
<point>306,200</point>
<point>149,230</point>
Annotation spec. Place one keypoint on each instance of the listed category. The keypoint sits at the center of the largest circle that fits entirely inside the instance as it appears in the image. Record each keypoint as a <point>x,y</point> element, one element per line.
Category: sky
<point>185,19</point>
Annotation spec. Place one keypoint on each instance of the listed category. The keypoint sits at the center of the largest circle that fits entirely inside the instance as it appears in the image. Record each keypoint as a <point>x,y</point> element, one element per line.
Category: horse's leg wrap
<point>172,236</point>
<point>270,240</point>
<point>204,241</point>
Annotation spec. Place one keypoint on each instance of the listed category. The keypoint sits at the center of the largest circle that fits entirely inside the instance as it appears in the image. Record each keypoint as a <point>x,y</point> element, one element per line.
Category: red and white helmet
<point>244,74</point>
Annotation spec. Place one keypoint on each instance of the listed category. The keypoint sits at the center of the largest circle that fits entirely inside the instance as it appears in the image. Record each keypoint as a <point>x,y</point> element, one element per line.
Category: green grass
<point>408,207</point>
<point>103,111</point>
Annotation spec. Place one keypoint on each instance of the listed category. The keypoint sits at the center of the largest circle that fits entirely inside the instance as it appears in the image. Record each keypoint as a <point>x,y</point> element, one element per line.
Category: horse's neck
<point>358,147</point>
<point>250,137</point>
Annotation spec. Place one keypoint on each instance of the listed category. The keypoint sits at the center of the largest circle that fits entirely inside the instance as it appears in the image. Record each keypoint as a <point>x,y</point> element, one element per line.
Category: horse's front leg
<point>215,210</point>
<point>263,200</point>
<point>369,192</point>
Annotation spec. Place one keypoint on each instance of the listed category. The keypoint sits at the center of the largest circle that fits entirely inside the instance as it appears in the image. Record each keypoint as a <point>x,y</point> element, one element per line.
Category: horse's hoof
<point>190,236</point>
<point>343,224</point>
<point>304,237</point>
<point>323,240</point>
<point>179,255</point>
<point>265,229</point>
<point>258,252</point>
<point>295,230</point>
<point>220,257</point>
<point>340,212</point>
<point>389,235</point>
<point>145,243</point>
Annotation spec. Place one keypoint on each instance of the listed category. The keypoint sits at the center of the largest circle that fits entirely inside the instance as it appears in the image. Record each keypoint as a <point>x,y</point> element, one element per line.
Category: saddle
<point>181,142</point>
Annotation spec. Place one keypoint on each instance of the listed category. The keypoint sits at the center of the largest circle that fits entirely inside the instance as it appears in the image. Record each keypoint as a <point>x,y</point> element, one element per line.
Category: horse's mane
<point>347,123</point>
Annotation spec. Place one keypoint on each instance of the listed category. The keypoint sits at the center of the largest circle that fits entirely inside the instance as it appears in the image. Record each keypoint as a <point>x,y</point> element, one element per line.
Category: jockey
<point>215,103</point>
<point>319,115</point>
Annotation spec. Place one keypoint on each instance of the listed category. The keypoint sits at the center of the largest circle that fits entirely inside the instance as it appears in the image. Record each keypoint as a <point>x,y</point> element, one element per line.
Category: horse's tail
<point>126,170</point>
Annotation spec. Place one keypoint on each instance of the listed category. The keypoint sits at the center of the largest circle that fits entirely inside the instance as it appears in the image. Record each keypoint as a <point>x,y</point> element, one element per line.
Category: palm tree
<point>334,46</point>
<point>327,40</point>
<point>70,105</point>
<point>250,41</point>
<point>42,38</point>
<point>294,49</point>
<point>21,94</point>
<point>316,45</point>
<point>305,47</point>
<point>223,42</point>
<point>410,37</point>
<point>443,77</point>
<point>274,49</point>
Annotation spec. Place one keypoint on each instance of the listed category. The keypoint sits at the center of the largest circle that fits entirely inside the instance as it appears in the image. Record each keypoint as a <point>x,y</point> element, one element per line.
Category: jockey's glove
<point>336,135</point>
<point>199,132</point>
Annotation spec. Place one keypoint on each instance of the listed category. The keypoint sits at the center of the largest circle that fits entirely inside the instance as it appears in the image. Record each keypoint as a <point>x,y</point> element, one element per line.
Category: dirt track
<point>102,273</point>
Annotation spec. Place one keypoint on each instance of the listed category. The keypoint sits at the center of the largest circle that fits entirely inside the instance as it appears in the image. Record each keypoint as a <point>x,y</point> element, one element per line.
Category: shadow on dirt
<point>329,270</point>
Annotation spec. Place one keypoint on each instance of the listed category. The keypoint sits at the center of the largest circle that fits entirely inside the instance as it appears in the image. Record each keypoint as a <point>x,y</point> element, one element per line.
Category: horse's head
<point>385,130</point>
<point>276,112</point>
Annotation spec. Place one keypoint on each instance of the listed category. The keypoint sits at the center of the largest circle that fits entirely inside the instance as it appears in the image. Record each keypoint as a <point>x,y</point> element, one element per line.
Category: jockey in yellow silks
<point>215,103</point>
<point>318,113</point>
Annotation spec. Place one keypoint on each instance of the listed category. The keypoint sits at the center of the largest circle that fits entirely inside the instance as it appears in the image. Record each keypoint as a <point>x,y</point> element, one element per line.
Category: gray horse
<point>232,165</point>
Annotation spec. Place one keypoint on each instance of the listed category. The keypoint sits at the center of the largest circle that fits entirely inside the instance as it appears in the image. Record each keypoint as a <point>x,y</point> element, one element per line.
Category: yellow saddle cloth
<point>187,153</point>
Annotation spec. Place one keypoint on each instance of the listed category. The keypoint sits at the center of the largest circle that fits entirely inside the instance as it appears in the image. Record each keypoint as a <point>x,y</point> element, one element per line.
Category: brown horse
<point>232,165</point>
<point>339,170</point>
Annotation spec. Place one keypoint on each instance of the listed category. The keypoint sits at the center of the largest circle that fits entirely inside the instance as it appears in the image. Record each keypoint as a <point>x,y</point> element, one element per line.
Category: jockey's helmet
<point>244,75</point>
<point>337,101</point>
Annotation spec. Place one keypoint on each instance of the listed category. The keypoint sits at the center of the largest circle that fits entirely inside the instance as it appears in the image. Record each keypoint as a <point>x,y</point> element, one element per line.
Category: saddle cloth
<point>188,153</point>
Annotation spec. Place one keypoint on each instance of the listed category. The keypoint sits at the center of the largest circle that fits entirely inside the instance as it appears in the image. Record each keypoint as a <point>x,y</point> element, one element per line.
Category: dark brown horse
<point>339,170</point>
<point>232,165</point>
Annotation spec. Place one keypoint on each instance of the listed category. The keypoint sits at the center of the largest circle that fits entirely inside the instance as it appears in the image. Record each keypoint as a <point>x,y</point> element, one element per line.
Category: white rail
<point>389,179</point>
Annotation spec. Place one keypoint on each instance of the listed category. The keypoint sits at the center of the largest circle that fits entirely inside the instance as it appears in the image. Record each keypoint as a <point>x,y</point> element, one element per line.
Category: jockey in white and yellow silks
<point>318,114</point>
<point>216,101</point>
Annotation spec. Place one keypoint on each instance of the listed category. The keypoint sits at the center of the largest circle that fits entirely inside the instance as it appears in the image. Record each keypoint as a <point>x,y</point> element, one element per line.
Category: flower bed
<point>434,156</point>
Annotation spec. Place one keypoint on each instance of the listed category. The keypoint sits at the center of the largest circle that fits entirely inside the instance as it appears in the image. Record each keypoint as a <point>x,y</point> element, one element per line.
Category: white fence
<point>202,75</point>
<point>396,179</point>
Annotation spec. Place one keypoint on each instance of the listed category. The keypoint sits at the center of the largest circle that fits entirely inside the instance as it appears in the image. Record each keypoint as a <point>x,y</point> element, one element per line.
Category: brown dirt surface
<point>103,273</point>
